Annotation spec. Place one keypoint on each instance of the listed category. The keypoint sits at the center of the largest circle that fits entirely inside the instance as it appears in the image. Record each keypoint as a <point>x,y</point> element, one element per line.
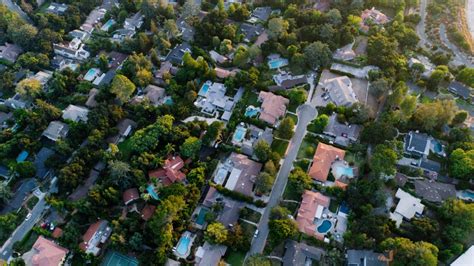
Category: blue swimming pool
<point>183,245</point>
<point>201,219</point>
<point>169,101</point>
<point>151,190</point>
<point>108,24</point>
<point>239,134</point>
<point>437,147</point>
<point>22,156</point>
<point>340,170</point>
<point>344,208</point>
<point>90,75</point>
<point>251,111</point>
<point>204,89</point>
<point>467,194</point>
<point>324,227</point>
<point>277,63</point>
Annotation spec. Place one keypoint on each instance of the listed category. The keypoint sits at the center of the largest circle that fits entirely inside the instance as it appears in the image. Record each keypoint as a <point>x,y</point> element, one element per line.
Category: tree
<point>262,150</point>
<point>281,230</point>
<point>241,56</point>
<point>7,225</point>
<point>285,129</point>
<point>439,74</point>
<point>461,164</point>
<point>264,183</point>
<point>279,212</point>
<point>411,253</point>
<point>317,55</point>
<point>466,76</point>
<point>170,28</point>
<point>143,77</point>
<point>190,147</point>
<point>29,87</point>
<point>257,260</point>
<point>320,123</point>
<point>190,9</point>
<point>23,35</point>
<point>429,116</point>
<point>213,133</point>
<point>136,241</point>
<point>122,87</point>
<point>120,173</point>
<point>460,117</point>
<point>216,233</point>
<point>300,179</point>
<point>379,87</point>
<point>25,169</point>
<point>277,27</point>
<point>5,192</point>
<point>383,160</point>
<point>297,96</point>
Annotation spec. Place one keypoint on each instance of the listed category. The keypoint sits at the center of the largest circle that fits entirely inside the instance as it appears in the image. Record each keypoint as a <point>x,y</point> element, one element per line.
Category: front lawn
<point>279,146</point>
<point>303,164</point>
<point>291,193</point>
<point>293,117</point>
<point>234,258</point>
<point>125,148</point>
<point>250,215</point>
<point>307,148</point>
<point>32,202</point>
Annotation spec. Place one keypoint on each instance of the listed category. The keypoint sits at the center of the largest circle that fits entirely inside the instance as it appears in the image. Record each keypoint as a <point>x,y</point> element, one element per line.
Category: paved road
<point>459,57</point>
<point>470,16</point>
<point>15,8</point>
<point>420,28</point>
<point>306,113</point>
<point>24,228</point>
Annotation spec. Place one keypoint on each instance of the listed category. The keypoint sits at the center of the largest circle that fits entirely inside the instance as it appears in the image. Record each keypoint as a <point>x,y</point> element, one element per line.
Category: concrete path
<point>306,113</point>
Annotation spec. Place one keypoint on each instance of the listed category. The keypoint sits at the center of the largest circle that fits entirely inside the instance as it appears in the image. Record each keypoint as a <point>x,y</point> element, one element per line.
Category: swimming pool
<point>324,227</point>
<point>204,89</point>
<point>22,156</point>
<point>201,219</point>
<point>151,190</point>
<point>340,170</point>
<point>251,111</point>
<point>183,245</point>
<point>277,63</point>
<point>466,194</point>
<point>437,147</point>
<point>344,208</point>
<point>169,101</point>
<point>107,25</point>
<point>239,134</point>
<point>91,74</point>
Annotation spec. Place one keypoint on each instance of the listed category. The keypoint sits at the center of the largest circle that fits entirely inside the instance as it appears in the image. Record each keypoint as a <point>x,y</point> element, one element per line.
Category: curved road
<point>15,8</point>
<point>306,113</point>
<point>459,58</point>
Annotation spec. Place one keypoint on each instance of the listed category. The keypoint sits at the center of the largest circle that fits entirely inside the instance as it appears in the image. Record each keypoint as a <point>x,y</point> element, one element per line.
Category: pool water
<point>204,89</point>
<point>467,194</point>
<point>183,245</point>
<point>22,156</point>
<point>239,134</point>
<point>277,63</point>
<point>324,227</point>
<point>343,171</point>
<point>151,190</point>
<point>90,74</point>
<point>344,208</point>
<point>201,219</point>
<point>251,111</point>
<point>108,24</point>
<point>169,101</point>
<point>438,147</point>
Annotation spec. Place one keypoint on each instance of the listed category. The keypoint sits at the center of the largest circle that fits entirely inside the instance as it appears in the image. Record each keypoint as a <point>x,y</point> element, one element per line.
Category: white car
<point>28,216</point>
<point>256,233</point>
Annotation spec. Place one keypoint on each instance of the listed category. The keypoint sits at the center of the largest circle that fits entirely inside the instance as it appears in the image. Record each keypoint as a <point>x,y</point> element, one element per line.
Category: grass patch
<point>235,258</point>
<point>250,215</point>
<point>125,148</point>
<point>307,148</point>
<point>32,202</point>
<point>291,193</point>
<point>333,206</point>
<point>355,159</point>
<point>291,206</point>
<point>253,100</point>
<point>303,164</point>
<point>26,243</point>
<point>249,230</point>
<point>293,117</point>
<point>279,146</point>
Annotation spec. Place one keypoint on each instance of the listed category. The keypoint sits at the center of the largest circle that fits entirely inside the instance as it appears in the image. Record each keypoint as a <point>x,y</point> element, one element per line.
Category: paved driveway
<point>306,113</point>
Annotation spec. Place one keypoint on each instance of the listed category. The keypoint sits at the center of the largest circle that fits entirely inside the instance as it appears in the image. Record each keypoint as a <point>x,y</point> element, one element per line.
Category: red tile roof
<point>323,158</point>
<point>307,211</point>
<point>148,212</point>
<point>57,233</point>
<point>89,234</point>
<point>47,253</point>
<point>170,173</point>
<point>130,195</point>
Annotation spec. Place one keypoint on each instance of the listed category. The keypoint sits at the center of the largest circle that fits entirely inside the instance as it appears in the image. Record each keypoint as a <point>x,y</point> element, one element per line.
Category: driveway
<point>24,228</point>
<point>15,8</point>
<point>20,194</point>
<point>306,113</point>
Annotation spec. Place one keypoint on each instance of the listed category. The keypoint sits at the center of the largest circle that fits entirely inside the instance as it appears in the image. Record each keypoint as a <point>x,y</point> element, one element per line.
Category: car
<point>28,216</point>
<point>256,233</point>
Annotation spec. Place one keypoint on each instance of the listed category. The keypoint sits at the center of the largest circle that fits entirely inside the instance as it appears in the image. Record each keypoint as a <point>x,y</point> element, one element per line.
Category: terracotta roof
<point>170,173</point>
<point>307,212</point>
<point>273,107</point>
<point>323,158</point>
<point>89,234</point>
<point>130,195</point>
<point>47,253</point>
<point>148,212</point>
<point>57,233</point>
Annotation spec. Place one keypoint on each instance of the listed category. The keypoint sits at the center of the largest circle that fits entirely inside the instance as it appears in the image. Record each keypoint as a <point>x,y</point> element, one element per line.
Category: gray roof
<point>262,13</point>
<point>175,56</point>
<point>430,165</point>
<point>416,142</point>
<point>231,208</point>
<point>301,254</point>
<point>41,157</point>
<point>109,76</point>
<point>4,172</point>
<point>364,258</point>
<point>434,191</point>
<point>10,52</point>
<point>460,90</point>
<point>209,254</point>
<point>5,116</point>
<point>251,31</point>
<point>57,8</point>
<point>56,130</point>
<point>336,129</point>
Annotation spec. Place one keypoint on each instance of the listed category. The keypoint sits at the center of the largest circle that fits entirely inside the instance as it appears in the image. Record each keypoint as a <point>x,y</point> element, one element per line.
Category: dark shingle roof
<point>460,89</point>
<point>434,191</point>
<point>41,157</point>
<point>298,253</point>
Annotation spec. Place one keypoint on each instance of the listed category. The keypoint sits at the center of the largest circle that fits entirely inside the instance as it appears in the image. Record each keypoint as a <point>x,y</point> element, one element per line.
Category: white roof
<point>233,179</point>
<point>319,211</point>
<point>76,113</point>
<point>408,205</point>
<point>466,259</point>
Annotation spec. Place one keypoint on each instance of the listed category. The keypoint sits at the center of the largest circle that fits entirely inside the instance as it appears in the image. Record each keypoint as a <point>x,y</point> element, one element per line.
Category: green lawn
<point>279,146</point>
<point>293,117</point>
<point>291,193</point>
<point>356,159</point>
<point>32,202</point>
<point>333,206</point>
<point>125,148</point>
<point>291,206</point>
<point>250,215</point>
<point>253,100</point>
<point>303,164</point>
<point>307,148</point>
<point>235,258</point>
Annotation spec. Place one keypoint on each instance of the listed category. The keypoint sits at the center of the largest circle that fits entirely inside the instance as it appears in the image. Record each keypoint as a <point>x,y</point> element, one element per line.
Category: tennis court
<point>113,258</point>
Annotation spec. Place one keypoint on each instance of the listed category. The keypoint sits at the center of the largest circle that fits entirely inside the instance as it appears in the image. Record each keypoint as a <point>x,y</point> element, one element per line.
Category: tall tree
<point>122,87</point>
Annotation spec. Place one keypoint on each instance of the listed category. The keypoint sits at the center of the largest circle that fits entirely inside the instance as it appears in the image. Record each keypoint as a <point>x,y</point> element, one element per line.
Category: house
<point>4,117</point>
<point>230,209</point>
<point>237,173</point>
<point>212,98</point>
<point>251,32</point>
<point>342,134</point>
<point>186,30</point>
<point>45,253</point>
<point>301,254</point>
<point>105,79</point>
<point>261,13</point>
<point>340,91</point>
<point>43,77</point>
<point>116,59</point>
<point>124,127</point>
<point>255,134</point>
<point>417,144</point>
<point>273,107</point>
<point>218,58</point>
<point>461,90</point>
<point>224,73</point>
<point>367,258</point>
<point>400,179</point>
<point>165,69</point>
<point>430,168</point>
<point>57,8</point>
<point>79,34</point>
<point>323,159</point>
<point>433,191</point>
<point>82,190</point>
<point>175,56</point>
<point>94,17</point>
<point>121,34</point>
<point>345,53</point>
<point>17,102</point>
<point>153,94</point>
<point>170,172</point>
<point>60,63</point>
<point>4,172</point>
<point>371,17</point>
<point>75,113</point>
<point>130,195</point>
<point>465,259</point>
<point>134,22</point>
<point>407,207</point>
<point>56,130</point>
<point>10,52</point>
<point>311,209</point>
<point>106,27</point>
<point>147,212</point>
<point>91,102</point>
<point>96,235</point>
<point>73,50</point>
<point>42,171</point>
<point>285,80</point>
<point>208,254</point>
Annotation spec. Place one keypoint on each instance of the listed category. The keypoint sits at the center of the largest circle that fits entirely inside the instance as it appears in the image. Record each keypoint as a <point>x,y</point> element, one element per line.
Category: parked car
<point>256,233</point>
<point>28,216</point>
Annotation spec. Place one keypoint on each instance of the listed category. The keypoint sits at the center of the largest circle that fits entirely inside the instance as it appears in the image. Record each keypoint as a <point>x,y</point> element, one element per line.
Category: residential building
<point>417,144</point>
<point>57,8</point>
<point>301,254</point>
<point>42,171</point>
<point>186,30</point>
<point>340,91</point>
<point>433,191</point>
<point>122,34</point>
<point>91,102</point>
<point>208,254</point>
<point>56,130</point>
<point>371,17</point>
<point>175,56</point>
<point>45,253</point>
<point>165,69</point>
<point>224,73</point>
<point>170,172</point>
<point>124,129</point>
<point>345,53</point>
<point>79,34</point>
<point>10,52</point>
<point>251,32</point>
<point>218,58</point>
<point>261,13</point>
<point>255,134</point>
<point>43,77</point>
<point>407,207</point>
<point>105,79</point>
<point>212,98</point>
<point>311,209</point>
<point>4,117</point>
<point>130,195</point>
<point>323,159</point>
<point>342,134</point>
<point>461,90</point>
<point>273,107</point>
<point>238,173</point>
<point>60,63</point>
<point>4,172</point>
<point>367,258</point>
<point>465,259</point>
<point>230,209</point>
<point>72,50</point>
<point>153,94</point>
<point>75,113</point>
<point>97,234</point>
<point>284,80</point>
<point>147,212</point>
<point>134,22</point>
<point>17,102</point>
<point>116,59</point>
<point>94,17</point>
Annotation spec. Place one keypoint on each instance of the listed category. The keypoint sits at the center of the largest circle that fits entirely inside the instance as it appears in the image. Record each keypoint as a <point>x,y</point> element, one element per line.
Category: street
<point>420,28</point>
<point>459,57</point>
<point>306,113</point>
<point>25,227</point>
<point>15,8</point>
